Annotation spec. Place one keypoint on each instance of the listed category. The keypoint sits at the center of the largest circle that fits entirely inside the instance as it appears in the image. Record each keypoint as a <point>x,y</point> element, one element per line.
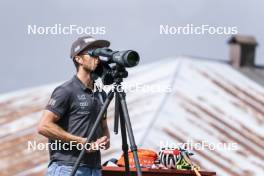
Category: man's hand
<point>103,142</point>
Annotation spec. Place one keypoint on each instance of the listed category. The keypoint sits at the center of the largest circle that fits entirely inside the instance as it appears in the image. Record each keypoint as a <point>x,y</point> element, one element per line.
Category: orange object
<point>146,158</point>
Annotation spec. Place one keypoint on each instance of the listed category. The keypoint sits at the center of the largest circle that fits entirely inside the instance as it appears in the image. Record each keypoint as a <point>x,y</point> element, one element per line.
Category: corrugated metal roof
<point>209,101</point>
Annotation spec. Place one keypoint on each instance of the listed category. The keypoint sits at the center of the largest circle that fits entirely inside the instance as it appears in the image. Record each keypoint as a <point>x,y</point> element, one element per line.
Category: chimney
<point>242,51</point>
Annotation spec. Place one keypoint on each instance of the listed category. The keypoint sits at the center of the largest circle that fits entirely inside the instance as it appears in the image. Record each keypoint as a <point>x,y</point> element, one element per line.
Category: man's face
<point>88,62</point>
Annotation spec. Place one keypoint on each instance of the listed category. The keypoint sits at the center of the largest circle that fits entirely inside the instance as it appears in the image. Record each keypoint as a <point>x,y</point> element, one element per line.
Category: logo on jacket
<point>81,97</point>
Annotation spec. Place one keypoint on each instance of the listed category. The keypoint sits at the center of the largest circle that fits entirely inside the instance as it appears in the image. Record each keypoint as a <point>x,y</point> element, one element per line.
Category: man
<point>71,113</point>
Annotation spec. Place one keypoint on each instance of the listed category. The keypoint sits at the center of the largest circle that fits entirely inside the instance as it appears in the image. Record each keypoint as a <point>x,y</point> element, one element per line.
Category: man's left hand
<point>103,142</point>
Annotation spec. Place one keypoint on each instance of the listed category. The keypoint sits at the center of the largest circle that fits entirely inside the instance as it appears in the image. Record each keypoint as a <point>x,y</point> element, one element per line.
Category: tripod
<point>120,104</point>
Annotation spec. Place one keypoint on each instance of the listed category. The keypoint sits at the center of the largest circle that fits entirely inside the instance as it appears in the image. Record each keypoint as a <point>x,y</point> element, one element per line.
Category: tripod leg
<point>133,146</point>
<point>124,142</point>
<point>117,114</point>
<point>95,126</point>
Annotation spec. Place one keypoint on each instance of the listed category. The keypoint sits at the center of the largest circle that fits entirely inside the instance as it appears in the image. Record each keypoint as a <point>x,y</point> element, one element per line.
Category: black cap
<point>87,42</point>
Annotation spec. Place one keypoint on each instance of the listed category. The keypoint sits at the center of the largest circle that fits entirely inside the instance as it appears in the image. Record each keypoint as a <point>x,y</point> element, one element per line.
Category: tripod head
<point>118,73</point>
<point>110,74</point>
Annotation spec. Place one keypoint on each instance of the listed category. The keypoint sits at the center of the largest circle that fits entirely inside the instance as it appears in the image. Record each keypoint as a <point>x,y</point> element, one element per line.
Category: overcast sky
<point>33,60</point>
